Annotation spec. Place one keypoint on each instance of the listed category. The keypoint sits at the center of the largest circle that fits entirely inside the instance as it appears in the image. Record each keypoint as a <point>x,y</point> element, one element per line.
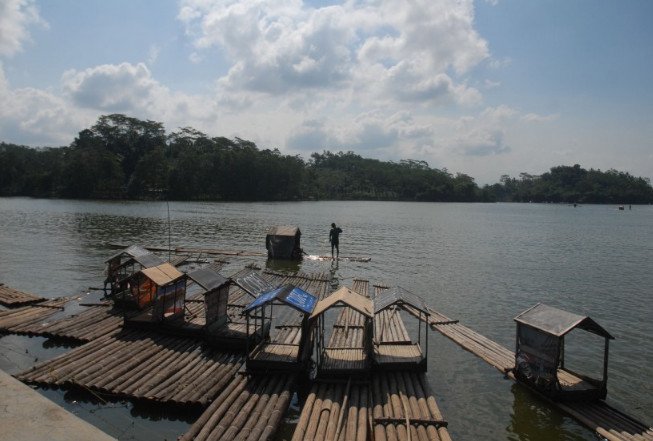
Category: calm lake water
<point>479,263</point>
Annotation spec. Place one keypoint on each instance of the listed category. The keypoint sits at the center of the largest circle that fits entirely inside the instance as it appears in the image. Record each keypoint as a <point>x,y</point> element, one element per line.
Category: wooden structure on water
<point>123,265</point>
<point>393,347</point>
<point>608,422</point>
<point>540,354</point>
<point>349,351</point>
<point>284,242</point>
<point>290,349</point>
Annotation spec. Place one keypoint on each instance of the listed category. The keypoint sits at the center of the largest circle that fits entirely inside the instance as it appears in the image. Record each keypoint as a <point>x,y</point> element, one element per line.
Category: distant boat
<point>621,207</point>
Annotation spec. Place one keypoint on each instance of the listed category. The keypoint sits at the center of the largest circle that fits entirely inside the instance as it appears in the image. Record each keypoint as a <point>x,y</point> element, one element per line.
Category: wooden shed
<point>290,348</point>
<point>394,347</point>
<point>350,346</point>
<point>158,292</point>
<point>540,354</point>
<point>283,242</point>
<point>127,262</point>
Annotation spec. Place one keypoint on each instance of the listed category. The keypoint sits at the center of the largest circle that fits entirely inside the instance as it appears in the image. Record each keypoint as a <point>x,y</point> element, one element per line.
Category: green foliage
<point>576,185</point>
<point>124,157</point>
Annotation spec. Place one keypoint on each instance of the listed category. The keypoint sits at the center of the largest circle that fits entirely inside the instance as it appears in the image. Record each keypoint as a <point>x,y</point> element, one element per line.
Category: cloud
<point>15,18</point>
<point>37,117</point>
<point>110,87</point>
<point>391,51</point>
<point>534,117</point>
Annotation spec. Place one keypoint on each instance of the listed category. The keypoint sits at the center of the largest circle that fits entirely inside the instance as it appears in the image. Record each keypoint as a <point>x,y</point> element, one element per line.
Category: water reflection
<point>534,419</point>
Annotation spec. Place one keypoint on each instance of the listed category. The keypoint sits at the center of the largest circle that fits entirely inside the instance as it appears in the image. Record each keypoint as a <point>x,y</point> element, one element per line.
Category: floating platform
<point>598,416</point>
<point>30,315</point>
<point>13,298</point>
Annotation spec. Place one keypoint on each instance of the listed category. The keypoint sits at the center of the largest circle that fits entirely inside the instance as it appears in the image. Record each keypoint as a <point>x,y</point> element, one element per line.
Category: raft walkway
<point>12,298</point>
<point>598,416</point>
<point>397,405</point>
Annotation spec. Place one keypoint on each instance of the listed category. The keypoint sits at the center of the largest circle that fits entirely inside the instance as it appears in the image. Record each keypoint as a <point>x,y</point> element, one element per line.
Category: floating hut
<point>159,293</point>
<point>283,242</point>
<point>215,289</point>
<point>394,348</point>
<point>124,264</point>
<point>351,344</point>
<point>290,348</point>
<point>540,354</point>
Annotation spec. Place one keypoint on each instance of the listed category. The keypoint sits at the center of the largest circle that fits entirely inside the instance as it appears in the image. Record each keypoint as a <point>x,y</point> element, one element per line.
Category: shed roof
<point>557,322</point>
<point>162,274</point>
<point>283,230</point>
<point>290,295</point>
<point>149,260</point>
<point>253,284</point>
<point>398,296</point>
<point>132,250</point>
<point>208,278</point>
<point>347,297</point>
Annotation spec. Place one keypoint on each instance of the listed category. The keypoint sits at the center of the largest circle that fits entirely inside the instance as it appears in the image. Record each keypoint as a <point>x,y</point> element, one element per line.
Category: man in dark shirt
<point>334,237</point>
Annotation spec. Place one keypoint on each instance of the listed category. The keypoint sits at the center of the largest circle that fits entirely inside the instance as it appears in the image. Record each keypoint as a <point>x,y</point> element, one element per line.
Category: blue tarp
<point>290,295</point>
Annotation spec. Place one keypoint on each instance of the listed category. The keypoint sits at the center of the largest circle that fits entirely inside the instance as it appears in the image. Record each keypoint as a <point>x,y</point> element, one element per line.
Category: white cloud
<point>534,117</point>
<point>379,51</point>
<point>15,18</point>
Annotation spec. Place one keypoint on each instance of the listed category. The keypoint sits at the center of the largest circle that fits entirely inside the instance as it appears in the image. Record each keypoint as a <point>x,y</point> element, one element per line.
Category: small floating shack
<point>394,348</point>
<point>350,348</point>
<point>283,242</point>
<point>159,293</point>
<point>540,354</point>
<point>124,264</point>
<point>290,349</point>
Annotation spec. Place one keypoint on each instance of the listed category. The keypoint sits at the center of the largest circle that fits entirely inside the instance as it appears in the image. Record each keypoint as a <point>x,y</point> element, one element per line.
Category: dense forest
<point>123,157</point>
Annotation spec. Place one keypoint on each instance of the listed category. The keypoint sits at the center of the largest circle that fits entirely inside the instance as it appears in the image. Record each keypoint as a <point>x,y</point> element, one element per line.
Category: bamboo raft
<point>12,298</point>
<point>248,409</point>
<point>95,322</point>
<point>142,365</point>
<point>393,406</point>
<point>598,416</point>
<point>28,315</point>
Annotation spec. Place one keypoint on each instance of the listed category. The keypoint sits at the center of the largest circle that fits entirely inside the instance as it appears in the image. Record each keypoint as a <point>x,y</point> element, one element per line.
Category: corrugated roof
<point>162,274</point>
<point>208,278</point>
<point>132,250</point>
<point>149,260</point>
<point>283,230</point>
<point>398,296</point>
<point>347,297</point>
<point>288,294</point>
<point>557,322</point>
<point>253,284</point>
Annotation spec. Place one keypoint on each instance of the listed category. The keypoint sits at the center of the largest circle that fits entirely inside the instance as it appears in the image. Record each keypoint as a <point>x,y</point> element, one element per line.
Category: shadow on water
<point>534,419</point>
<point>286,266</point>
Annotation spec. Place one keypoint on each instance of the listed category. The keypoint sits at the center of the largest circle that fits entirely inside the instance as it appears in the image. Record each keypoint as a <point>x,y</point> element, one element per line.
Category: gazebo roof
<point>284,230</point>
<point>162,274</point>
<point>398,296</point>
<point>347,297</point>
<point>557,322</point>
<point>208,278</point>
<point>132,250</point>
<point>292,296</point>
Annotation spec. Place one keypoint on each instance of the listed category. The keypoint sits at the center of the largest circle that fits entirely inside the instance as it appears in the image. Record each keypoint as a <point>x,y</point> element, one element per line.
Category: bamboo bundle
<point>28,315</point>
<point>11,297</point>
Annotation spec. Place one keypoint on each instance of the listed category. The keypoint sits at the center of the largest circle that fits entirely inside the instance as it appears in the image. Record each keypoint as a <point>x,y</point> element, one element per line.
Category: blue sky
<point>484,88</point>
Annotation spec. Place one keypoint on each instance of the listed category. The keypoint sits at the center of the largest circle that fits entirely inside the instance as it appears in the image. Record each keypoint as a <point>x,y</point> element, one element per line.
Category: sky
<point>485,88</point>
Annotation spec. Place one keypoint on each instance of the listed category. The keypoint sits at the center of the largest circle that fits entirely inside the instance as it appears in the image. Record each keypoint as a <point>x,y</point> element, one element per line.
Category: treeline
<point>126,158</point>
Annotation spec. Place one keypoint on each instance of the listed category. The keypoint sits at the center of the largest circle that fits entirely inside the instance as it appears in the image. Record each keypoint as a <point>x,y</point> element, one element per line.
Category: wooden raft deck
<point>598,416</point>
<point>27,315</point>
<point>141,364</point>
<point>13,298</point>
<point>396,405</point>
<point>249,408</point>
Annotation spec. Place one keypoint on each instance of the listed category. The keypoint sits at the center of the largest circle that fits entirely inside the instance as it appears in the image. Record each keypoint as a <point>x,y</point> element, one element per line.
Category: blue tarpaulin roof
<point>290,295</point>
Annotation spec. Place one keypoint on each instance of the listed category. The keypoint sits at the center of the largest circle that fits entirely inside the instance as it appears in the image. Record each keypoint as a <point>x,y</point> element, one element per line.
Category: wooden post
<point>605,362</point>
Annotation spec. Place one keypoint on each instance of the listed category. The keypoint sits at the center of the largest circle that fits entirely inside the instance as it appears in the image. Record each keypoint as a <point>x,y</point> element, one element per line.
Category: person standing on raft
<point>334,238</point>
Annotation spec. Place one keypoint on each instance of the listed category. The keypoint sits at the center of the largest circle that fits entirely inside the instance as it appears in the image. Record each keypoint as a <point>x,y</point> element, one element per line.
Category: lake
<point>479,263</point>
